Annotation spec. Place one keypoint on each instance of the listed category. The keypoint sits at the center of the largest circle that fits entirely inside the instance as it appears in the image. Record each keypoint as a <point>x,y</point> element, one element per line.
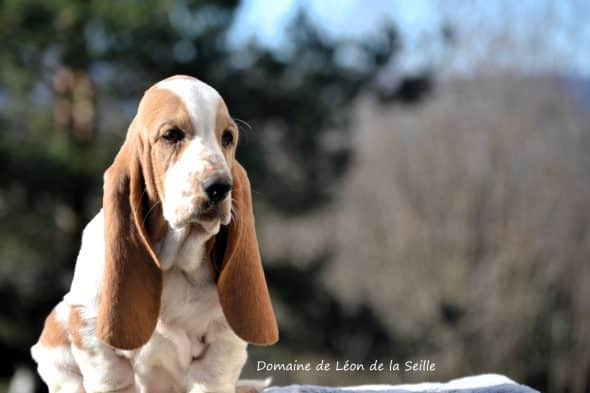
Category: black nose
<point>217,188</point>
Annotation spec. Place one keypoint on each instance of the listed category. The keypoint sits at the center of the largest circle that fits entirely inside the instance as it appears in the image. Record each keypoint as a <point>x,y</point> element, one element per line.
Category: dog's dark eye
<point>173,135</point>
<point>227,138</point>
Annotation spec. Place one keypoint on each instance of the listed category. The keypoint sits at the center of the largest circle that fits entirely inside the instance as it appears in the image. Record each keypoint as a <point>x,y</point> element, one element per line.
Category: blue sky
<point>526,35</point>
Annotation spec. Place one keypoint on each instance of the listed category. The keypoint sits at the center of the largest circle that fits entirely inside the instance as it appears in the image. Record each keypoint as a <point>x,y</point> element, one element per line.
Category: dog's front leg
<point>219,367</point>
<point>102,369</point>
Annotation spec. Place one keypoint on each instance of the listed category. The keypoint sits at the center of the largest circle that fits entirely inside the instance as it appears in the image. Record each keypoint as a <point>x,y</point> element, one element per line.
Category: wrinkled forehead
<point>185,102</point>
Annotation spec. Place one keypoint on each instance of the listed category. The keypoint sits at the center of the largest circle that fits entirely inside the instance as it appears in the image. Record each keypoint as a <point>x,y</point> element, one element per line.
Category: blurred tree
<point>71,74</point>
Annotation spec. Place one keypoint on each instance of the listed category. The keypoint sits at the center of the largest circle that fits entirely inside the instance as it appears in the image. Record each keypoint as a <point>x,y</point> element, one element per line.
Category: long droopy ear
<point>132,284</point>
<point>241,284</point>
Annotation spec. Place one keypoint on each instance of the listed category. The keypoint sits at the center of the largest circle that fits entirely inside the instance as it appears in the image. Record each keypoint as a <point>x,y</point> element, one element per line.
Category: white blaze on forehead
<point>199,99</point>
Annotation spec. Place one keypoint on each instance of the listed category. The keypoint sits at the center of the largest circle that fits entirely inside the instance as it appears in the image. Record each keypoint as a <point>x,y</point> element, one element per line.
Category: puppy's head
<point>176,171</point>
<point>192,141</point>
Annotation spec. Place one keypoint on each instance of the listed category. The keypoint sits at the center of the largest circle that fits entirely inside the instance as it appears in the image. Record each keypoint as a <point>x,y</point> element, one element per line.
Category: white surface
<point>471,382</point>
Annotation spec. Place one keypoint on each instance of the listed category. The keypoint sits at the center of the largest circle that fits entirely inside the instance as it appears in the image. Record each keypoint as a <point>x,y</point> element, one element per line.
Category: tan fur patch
<point>75,325</point>
<point>159,111</point>
<point>161,106</point>
<point>223,121</point>
<point>54,334</point>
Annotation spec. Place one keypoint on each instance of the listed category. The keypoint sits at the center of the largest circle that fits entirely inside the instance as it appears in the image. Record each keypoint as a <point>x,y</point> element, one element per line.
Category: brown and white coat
<point>168,287</point>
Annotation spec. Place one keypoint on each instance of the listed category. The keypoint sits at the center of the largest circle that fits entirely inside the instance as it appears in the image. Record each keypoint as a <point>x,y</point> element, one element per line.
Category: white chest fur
<point>191,318</point>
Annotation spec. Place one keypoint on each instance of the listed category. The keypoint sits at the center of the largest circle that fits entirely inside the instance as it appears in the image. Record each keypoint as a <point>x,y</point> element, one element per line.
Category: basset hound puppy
<point>168,286</point>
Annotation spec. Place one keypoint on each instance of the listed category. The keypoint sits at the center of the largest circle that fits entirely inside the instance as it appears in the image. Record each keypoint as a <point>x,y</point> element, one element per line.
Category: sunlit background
<point>421,170</point>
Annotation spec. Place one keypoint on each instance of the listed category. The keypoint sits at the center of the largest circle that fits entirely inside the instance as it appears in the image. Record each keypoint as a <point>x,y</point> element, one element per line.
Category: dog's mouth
<point>210,218</point>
